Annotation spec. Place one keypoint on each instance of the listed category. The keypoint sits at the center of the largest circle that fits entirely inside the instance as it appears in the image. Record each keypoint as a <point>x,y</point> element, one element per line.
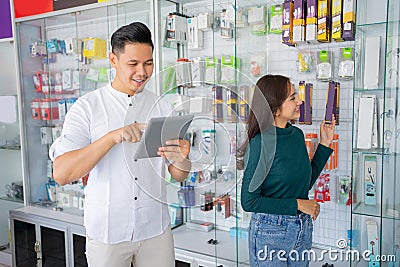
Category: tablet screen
<point>158,131</point>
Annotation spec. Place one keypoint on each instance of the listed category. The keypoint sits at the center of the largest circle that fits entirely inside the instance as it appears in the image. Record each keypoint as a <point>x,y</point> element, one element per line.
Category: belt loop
<point>280,220</point>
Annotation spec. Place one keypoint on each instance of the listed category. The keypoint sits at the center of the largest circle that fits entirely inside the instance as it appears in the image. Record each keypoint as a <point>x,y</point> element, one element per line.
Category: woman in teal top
<point>278,175</point>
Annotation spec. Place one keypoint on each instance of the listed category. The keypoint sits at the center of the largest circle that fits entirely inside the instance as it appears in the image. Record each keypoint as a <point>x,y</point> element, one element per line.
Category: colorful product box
<point>333,161</point>
<point>324,20</point>
<point>337,20</point>
<point>311,140</point>
<point>49,109</point>
<point>299,21</point>
<point>337,101</point>
<point>312,21</point>
<point>349,20</point>
<point>94,48</point>
<point>38,82</point>
<point>244,102</point>
<point>308,104</point>
<point>287,23</point>
<point>35,107</point>
<point>231,102</point>
<point>302,96</point>
<point>305,94</point>
<point>332,102</point>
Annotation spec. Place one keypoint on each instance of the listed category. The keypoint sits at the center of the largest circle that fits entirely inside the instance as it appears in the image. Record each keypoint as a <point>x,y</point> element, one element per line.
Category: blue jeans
<point>279,240</point>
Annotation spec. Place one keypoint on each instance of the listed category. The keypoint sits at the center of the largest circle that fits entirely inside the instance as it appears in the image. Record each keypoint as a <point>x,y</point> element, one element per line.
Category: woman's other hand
<point>310,207</point>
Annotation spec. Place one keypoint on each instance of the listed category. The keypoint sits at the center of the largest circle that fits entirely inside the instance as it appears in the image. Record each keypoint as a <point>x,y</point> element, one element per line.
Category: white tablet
<point>158,131</point>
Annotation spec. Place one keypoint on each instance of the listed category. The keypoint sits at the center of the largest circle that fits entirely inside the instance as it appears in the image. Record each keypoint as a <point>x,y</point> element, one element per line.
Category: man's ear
<point>113,59</point>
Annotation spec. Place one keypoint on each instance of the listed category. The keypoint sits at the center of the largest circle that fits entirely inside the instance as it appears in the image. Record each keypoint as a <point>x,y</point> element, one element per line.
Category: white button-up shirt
<point>125,200</point>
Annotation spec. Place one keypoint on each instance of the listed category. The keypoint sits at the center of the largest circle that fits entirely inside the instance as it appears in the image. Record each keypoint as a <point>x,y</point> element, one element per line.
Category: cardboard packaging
<point>333,161</point>
<point>371,62</point>
<point>349,20</point>
<point>177,28</point>
<point>299,21</point>
<point>332,102</point>
<point>94,48</point>
<point>312,21</point>
<point>287,23</point>
<point>311,140</point>
<point>337,20</point>
<point>49,109</point>
<point>196,36</point>
<point>324,20</point>
<point>306,107</point>
<point>365,122</point>
<point>302,96</point>
<point>204,21</point>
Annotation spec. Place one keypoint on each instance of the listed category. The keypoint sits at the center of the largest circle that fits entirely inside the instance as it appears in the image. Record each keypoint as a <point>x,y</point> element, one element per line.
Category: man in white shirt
<point>126,217</point>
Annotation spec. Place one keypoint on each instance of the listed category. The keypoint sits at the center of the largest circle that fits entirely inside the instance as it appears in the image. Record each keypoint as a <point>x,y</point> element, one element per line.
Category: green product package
<point>275,20</point>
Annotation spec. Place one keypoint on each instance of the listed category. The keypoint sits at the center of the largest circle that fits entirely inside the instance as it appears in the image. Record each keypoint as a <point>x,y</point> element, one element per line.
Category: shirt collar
<point>119,93</point>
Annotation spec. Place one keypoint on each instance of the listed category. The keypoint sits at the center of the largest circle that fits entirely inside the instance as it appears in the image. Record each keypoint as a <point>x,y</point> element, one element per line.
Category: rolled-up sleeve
<point>76,131</point>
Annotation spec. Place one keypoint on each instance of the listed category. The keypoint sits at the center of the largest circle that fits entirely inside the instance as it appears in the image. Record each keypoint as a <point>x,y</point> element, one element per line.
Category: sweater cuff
<point>324,149</point>
<point>292,206</point>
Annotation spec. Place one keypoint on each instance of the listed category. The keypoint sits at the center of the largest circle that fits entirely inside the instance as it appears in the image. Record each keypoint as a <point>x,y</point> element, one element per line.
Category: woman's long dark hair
<point>269,94</point>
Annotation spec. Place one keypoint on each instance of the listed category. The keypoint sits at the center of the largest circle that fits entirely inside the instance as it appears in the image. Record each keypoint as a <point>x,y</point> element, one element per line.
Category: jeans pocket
<point>271,230</point>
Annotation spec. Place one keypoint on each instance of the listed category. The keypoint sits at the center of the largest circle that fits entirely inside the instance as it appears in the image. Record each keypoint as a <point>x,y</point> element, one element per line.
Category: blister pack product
<point>324,65</point>
<point>257,19</point>
<point>275,19</point>
<point>346,63</point>
<point>305,61</point>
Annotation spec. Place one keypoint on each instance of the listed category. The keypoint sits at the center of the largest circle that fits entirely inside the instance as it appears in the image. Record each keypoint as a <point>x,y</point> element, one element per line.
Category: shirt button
<point>136,178</point>
<point>129,95</point>
<point>130,104</point>
<point>135,198</point>
<point>135,160</point>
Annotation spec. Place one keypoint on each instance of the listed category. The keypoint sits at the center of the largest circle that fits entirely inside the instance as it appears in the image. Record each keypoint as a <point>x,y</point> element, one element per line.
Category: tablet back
<point>158,131</point>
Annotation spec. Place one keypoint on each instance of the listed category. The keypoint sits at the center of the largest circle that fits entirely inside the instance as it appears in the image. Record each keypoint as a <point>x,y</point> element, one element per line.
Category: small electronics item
<point>158,131</point>
<point>370,179</point>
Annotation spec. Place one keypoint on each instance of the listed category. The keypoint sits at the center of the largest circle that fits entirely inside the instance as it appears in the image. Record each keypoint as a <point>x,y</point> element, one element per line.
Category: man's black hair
<point>134,33</point>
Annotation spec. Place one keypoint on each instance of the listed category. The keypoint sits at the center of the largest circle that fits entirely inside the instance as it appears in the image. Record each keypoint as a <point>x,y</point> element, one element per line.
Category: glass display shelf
<point>10,147</point>
<point>7,198</point>
<point>376,211</point>
<point>373,24</point>
<point>362,90</point>
<point>376,151</point>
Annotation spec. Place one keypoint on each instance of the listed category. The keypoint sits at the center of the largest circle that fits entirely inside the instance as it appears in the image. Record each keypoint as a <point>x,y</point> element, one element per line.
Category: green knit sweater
<point>291,174</point>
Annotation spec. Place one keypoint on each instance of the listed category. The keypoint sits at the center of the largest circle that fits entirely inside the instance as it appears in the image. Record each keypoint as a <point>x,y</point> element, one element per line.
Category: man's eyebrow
<point>134,60</point>
<point>293,94</point>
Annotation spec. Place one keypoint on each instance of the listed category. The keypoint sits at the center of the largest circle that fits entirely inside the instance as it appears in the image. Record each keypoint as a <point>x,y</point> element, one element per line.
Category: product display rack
<point>228,57</point>
<point>375,207</point>
<point>250,46</point>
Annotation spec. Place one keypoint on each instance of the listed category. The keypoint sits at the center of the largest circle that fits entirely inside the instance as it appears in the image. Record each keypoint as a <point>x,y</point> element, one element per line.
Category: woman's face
<point>290,109</point>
